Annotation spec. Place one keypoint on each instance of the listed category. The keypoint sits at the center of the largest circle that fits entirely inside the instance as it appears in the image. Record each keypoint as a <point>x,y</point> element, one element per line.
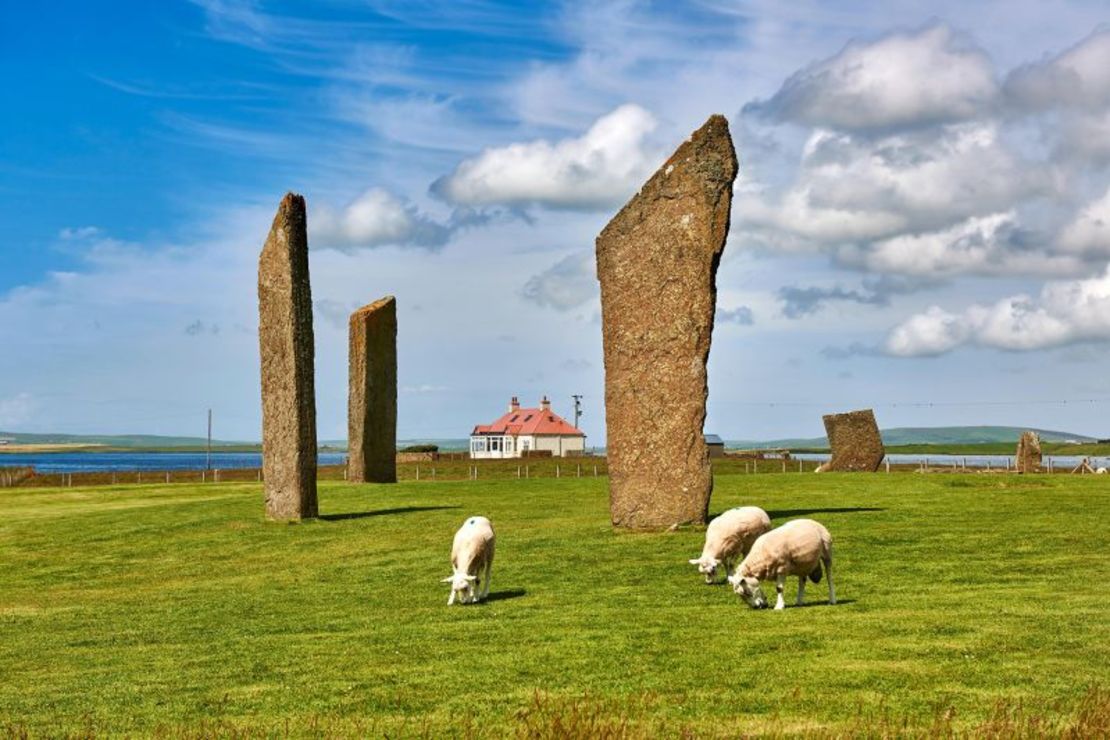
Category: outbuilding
<point>715,444</point>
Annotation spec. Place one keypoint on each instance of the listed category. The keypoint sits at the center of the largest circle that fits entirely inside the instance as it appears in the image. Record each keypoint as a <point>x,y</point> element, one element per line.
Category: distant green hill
<point>114,440</point>
<point>925,435</point>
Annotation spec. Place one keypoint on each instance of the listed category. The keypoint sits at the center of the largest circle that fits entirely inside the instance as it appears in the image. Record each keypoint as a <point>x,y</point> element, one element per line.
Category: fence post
<point>595,471</point>
<point>140,476</point>
<point>433,473</point>
<point>518,472</point>
<point>204,476</point>
<point>556,470</point>
<point>167,476</point>
<point>888,464</point>
<point>578,471</point>
<point>259,475</point>
<point>527,472</point>
<point>784,465</point>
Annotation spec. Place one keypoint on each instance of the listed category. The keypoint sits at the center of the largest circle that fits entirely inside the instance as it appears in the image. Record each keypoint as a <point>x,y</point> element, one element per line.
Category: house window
<point>508,444</point>
<point>525,444</point>
<point>495,444</point>
<point>477,445</point>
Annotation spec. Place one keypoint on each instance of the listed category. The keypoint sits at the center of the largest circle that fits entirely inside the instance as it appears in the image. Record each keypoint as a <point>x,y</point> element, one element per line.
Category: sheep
<point>1101,471</point>
<point>471,561</point>
<point>728,539</point>
<point>797,548</point>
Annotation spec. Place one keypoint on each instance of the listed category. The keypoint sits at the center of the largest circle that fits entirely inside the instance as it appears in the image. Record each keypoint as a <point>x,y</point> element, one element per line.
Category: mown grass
<point>967,603</point>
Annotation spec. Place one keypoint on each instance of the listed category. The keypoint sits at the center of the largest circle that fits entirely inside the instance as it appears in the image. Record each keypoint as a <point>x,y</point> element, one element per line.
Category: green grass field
<point>968,603</point>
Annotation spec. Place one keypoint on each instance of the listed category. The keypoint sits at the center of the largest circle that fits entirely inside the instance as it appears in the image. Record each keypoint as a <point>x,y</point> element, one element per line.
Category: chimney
<point>514,405</point>
<point>545,405</point>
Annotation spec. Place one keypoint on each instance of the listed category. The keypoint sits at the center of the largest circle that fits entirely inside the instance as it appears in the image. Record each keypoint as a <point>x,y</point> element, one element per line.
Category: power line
<point>925,404</point>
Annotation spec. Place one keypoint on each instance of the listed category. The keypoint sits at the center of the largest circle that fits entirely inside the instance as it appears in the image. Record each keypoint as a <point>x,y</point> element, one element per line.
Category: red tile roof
<point>529,421</point>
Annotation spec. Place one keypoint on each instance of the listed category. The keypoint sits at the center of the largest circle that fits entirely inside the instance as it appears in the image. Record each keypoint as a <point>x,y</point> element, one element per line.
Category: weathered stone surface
<point>657,263</point>
<point>286,343</point>
<point>372,394</point>
<point>855,441</point>
<point>1028,458</point>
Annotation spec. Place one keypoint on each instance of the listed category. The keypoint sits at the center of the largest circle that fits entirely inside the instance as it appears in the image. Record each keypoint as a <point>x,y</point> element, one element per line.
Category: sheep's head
<point>707,566</point>
<point>462,584</point>
<point>748,588</point>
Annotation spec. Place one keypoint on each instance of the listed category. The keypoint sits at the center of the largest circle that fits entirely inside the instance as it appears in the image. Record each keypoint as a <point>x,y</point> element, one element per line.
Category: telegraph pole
<point>208,449</point>
<point>577,408</point>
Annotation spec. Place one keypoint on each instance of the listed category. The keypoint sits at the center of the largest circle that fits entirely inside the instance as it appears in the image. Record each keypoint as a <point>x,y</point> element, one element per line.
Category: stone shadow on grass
<point>512,593</point>
<point>780,513</point>
<point>383,512</point>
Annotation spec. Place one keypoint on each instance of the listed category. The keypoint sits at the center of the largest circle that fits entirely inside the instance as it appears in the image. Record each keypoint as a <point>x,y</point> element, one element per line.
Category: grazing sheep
<point>471,561</point>
<point>797,548</point>
<point>728,539</point>
<point>1101,471</point>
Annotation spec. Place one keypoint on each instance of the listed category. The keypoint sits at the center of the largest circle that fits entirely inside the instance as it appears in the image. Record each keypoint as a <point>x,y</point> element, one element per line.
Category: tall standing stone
<point>657,263</point>
<point>855,441</point>
<point>1028,459</point>
<point>286,343</point>
<point>372,394</point>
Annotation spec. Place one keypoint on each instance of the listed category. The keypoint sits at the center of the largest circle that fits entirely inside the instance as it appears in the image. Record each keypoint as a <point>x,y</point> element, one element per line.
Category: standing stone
<point>856,443</point>
<point>372,395</point>
<point>657,263</point>
<point>286,343</point>
<point>1028,459</point>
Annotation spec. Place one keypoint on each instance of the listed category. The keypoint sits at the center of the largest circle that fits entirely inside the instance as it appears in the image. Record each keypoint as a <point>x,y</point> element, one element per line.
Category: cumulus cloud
<point>1079,77</point>
<point>568,283</point>
<point>1089,232</point>
<point>741,315</point>
<point>375,218</point>
<point>597,170</point>
<point>901,80</point>
<point>852,189</point>
<point>1065,312</point>
<point>990,245</point>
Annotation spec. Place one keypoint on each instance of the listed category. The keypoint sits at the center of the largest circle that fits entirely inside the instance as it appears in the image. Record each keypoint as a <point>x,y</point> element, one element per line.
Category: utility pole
<point>208,450</point>
<point>577,408</point>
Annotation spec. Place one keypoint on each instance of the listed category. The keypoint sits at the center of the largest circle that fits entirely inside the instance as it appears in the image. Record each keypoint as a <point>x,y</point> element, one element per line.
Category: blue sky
<point>921,223</point>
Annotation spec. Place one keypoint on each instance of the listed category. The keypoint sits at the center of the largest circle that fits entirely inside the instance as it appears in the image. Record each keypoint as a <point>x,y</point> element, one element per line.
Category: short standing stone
<point>855,441</point>
<point>1029,453</point>
<point>286,344</point>
<point>372,394</point>
<point>657,263</point>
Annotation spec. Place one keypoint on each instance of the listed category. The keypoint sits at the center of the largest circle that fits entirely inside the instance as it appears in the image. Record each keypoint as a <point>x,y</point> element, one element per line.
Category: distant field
<point>969,603</point>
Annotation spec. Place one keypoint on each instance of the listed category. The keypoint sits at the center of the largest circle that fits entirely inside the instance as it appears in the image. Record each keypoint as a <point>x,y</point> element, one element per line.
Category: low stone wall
<point>415,457</point>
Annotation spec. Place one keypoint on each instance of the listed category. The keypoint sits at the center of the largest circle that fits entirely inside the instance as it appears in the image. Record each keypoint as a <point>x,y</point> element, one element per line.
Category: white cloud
<point>568,283</point>
<point>851,189</point>
<point>597,170</point>
<point>902,80</point>
<point>1079,77</point>
<point>987,245</point>
<point>373,219</point>
<point>1065,312</point>
<point>1089,232</point>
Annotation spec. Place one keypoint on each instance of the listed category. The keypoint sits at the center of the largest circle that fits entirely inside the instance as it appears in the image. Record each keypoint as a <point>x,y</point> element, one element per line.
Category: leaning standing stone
<point>286,343</point>
<point>855,442</point>
<point>372,394</point>
<point>657,263</point>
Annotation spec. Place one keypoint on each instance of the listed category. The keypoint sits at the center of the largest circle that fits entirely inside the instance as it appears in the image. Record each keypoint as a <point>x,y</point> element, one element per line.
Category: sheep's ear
<point>448,579</point>
<point>695,561</point>
<point>472,578</point>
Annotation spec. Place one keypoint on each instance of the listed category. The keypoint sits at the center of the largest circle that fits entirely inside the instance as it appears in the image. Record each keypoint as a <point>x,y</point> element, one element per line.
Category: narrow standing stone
<point>855,442</point>
<point>286,344</point>
<point>1028,458</point>
<point>657,263</point>
<point>372,394</point>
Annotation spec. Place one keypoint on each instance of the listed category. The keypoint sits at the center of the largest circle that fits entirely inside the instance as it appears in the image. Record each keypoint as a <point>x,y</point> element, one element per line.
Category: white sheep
<point>797,548</point>
<point>471,561</point>
<point>728,539</point>
<point>1101,471</point>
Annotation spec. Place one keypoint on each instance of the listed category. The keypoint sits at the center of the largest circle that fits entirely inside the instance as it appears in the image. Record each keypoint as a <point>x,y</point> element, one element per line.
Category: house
<point>715,444</point>
<point>522,430</point>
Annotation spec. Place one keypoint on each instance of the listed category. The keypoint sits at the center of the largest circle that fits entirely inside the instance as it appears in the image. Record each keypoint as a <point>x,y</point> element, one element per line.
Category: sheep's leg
<point>828,574</point>
<point>451,598</point>
<point>486,579</point>
<point>801,590</point>
<point>780,581</point>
